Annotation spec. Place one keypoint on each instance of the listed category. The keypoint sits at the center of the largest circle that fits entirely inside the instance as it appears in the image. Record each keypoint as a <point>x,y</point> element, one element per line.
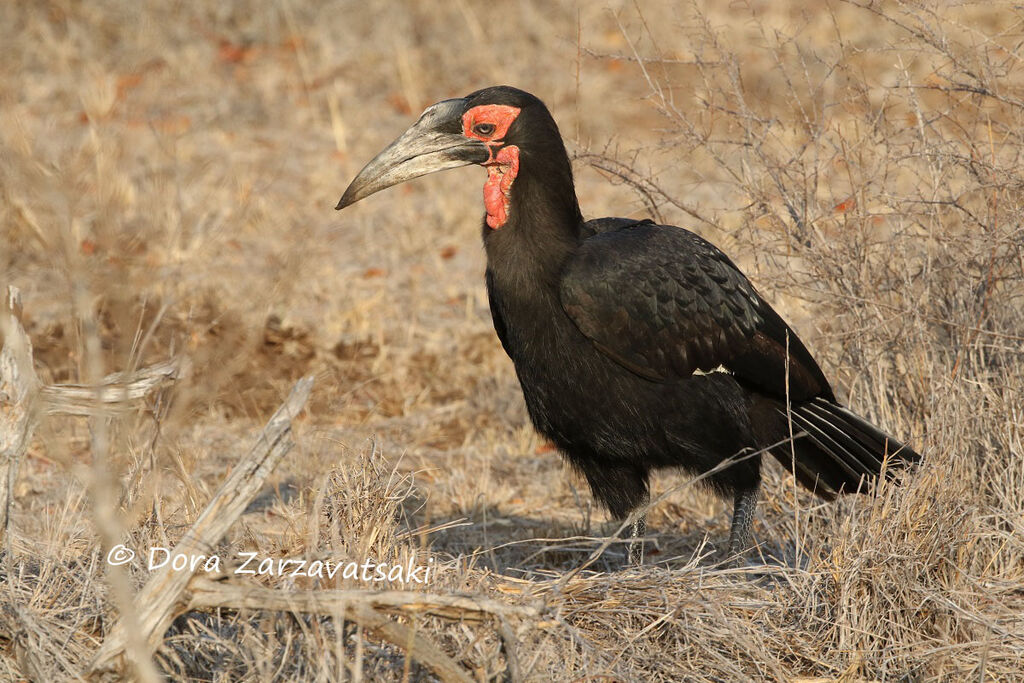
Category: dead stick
<point>19,388</point>
<point>23,397</point>
<point>159,598</point>
<point>360,607</point>
<point>114,394</point>
<point>207,592</point>
<point>418,647</point>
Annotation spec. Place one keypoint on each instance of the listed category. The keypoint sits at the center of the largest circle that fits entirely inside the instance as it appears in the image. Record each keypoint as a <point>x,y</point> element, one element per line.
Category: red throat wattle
<point>503,164</point>
<point>501,171</point>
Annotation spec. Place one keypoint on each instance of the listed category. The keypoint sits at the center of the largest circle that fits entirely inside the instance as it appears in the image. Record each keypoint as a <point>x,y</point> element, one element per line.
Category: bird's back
<point>597,226</point>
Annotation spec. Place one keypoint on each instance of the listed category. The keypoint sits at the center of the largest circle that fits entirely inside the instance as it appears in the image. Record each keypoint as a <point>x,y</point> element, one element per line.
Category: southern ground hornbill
<point>638,346</point>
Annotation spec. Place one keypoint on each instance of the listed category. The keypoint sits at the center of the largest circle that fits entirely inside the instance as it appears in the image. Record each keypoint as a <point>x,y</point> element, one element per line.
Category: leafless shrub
<point>888,200</point>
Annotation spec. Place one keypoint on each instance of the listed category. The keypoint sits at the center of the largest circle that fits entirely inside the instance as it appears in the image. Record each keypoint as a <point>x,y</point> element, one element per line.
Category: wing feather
<point>664,303</point>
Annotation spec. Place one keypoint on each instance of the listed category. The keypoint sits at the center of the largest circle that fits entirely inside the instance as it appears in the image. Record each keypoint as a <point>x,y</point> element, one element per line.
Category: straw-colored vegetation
<point>167,174</point>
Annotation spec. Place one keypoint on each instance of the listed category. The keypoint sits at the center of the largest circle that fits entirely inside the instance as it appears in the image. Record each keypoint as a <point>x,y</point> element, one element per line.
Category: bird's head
<point>488,128</point>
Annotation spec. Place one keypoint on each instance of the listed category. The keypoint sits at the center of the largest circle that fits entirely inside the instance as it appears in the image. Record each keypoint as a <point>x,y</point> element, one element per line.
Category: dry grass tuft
<point>167,175</point>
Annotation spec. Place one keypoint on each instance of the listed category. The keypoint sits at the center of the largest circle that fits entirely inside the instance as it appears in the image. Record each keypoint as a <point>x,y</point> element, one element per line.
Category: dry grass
<point>168,173</point>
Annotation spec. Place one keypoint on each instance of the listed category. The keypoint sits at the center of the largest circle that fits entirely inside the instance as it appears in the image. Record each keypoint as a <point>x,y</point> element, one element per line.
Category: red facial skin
<point>503,164</point>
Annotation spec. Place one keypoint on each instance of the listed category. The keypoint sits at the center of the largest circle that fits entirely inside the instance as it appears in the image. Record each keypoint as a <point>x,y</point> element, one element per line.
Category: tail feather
<point>840,455</point>
<point>885,444</point>
<point>868,460</point>
<point>842,451</point>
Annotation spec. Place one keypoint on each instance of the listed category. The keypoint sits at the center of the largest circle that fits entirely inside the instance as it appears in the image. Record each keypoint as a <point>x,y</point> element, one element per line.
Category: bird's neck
<point>542,229</point>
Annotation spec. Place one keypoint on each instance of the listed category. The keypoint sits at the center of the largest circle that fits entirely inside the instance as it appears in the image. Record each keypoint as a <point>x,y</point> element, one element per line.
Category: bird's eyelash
<point>484,128</point>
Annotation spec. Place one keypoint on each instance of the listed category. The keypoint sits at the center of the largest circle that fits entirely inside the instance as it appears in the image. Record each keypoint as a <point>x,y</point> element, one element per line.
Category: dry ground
<point>168,172</point>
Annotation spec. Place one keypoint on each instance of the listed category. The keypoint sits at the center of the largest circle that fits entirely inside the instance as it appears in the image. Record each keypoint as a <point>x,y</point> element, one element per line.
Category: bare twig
<point>648,190</point>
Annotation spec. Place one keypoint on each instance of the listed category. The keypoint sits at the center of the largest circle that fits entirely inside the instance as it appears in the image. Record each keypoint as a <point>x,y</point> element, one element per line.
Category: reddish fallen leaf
<point>126,83</point>
<point>449,252</point>
<point>373,272</point>
<point>399,103</point>
<point>88,247</point>
<point>234,53</point>
<point>845,205</point>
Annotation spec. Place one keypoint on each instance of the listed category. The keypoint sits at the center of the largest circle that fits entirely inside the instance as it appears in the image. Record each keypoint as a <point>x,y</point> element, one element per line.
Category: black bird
<point>638,346</point>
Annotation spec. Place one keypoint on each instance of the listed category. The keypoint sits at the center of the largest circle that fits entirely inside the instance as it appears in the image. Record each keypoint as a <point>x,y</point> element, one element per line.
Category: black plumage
<point>638,346</point>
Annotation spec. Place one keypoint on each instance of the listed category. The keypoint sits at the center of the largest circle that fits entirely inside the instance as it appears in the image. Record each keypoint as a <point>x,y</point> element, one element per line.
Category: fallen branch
<point>116,393</point>
<point>164,595</point>
<point>418,647</point>
<point>161,597</point>
<point>23,397</point>
<point>206,592</point>
<point>361,607</point>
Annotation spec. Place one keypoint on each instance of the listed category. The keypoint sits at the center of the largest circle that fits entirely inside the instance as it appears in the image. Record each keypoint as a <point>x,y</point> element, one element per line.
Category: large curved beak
<point>433,143</point>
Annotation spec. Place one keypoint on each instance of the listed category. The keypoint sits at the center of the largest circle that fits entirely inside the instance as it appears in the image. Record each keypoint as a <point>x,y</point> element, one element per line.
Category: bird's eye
<point>484,129</point>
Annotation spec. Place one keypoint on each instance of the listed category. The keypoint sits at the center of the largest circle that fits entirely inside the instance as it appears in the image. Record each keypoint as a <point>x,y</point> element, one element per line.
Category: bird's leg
<point>637,531</point>
<point>742,517</point>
